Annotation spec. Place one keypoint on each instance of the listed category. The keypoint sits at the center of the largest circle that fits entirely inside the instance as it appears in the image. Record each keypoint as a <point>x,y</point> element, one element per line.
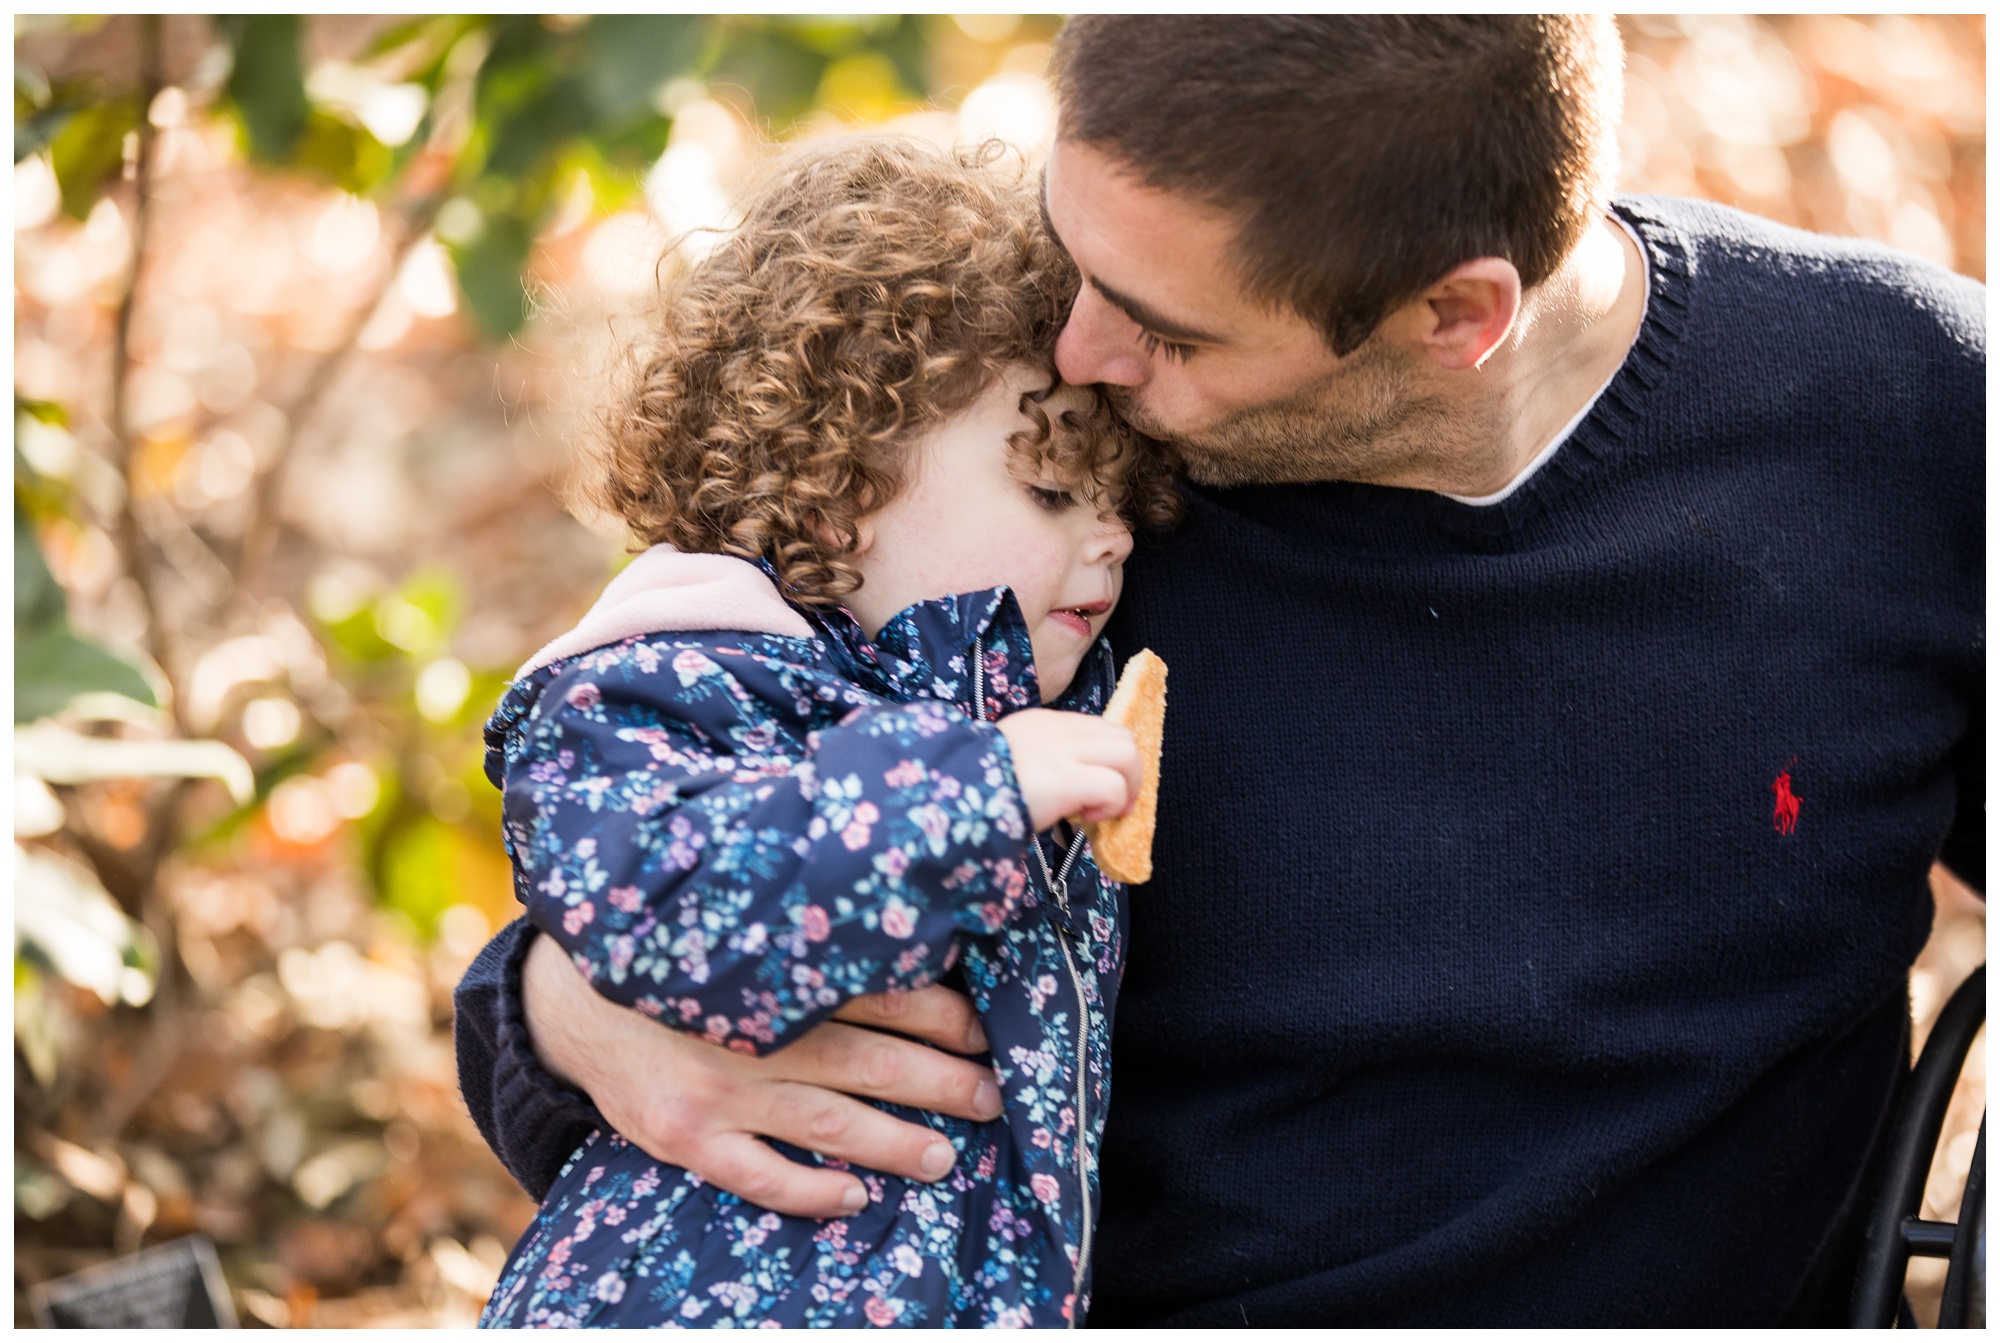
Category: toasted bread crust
<point>1123,846</point>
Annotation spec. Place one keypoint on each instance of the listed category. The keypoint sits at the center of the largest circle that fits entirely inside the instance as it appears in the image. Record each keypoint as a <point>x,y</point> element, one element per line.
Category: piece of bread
<point>1123,846</point>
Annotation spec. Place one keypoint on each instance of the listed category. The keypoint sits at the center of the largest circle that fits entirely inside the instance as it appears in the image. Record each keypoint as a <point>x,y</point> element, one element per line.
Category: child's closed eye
<point>1054,500</point>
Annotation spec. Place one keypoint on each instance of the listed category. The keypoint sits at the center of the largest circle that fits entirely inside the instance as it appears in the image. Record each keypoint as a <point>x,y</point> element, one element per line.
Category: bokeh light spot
<point>442,688</point>
<point>271,722</point>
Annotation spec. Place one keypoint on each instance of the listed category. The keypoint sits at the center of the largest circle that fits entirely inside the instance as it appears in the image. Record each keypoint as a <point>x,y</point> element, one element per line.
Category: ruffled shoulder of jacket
<point>665,591</point>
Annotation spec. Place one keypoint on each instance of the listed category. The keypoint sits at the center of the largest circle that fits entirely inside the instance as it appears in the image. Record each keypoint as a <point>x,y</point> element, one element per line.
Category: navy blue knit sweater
<point>1536,884</point>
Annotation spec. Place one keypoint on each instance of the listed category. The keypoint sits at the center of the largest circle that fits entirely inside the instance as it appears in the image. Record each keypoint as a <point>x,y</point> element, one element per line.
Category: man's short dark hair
<point>1367,155</point>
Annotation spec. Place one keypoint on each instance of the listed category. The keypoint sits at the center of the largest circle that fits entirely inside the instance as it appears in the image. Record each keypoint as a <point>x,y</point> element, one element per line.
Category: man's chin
<point>1212,454</point>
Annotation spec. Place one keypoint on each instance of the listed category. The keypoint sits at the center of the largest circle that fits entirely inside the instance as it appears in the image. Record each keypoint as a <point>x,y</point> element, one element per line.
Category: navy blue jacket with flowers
<point>736,832</point>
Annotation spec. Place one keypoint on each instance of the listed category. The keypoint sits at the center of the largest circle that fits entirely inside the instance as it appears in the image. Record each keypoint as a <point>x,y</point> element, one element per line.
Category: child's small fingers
<point>739,1164</point>
<point>1111,744</point>
<point>1134,770</point>
<point>1103,792</point>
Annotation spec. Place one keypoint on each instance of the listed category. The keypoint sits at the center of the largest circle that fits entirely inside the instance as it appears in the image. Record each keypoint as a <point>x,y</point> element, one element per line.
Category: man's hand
<point>697,1105</point>
<point>1071,764</point>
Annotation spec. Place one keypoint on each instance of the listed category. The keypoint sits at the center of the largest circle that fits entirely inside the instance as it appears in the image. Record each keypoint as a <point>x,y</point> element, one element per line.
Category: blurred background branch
<point>309,312</point>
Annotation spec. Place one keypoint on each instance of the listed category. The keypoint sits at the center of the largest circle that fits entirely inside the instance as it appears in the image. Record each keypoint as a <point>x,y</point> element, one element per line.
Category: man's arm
<point>702,1107</point>
<point>529,1118</point>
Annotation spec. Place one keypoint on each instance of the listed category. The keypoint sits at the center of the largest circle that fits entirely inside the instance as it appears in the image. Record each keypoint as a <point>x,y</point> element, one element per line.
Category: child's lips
<point>1078,618</point>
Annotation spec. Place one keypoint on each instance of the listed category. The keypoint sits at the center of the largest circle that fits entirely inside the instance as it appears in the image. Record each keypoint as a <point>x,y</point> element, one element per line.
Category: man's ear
<point>1469,312</point>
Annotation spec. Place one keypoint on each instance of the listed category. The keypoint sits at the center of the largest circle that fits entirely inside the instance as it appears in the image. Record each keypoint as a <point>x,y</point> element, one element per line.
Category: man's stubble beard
<point>1365,422</point>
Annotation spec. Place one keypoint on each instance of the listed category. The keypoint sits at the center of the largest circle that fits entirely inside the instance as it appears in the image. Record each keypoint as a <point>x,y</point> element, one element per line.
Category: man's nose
<point>1100,344</point>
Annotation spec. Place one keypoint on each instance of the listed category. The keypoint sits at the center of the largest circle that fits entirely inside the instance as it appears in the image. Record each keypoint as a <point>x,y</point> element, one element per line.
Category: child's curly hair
<point>875,288</point>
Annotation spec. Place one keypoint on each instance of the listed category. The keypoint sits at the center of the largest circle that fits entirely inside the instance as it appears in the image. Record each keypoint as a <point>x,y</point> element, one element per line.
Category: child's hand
<point>1071,764</point>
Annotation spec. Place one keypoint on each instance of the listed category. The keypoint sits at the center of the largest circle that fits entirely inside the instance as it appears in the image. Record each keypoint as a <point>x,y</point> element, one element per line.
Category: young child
<point>797,752</point>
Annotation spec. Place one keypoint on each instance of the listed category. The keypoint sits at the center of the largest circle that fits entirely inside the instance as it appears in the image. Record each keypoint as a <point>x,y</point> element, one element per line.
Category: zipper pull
<point>1066,918</point>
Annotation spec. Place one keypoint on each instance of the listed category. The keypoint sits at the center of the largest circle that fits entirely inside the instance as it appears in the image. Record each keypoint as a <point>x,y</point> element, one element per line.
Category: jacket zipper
<point>1058,886</point>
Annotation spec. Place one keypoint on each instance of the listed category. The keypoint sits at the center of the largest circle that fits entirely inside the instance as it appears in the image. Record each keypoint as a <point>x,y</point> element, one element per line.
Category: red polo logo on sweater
<point>1785,808</point>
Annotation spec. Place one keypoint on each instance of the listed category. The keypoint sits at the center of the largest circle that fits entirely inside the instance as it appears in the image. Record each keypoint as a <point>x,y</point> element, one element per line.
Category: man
<point>1577,646</point>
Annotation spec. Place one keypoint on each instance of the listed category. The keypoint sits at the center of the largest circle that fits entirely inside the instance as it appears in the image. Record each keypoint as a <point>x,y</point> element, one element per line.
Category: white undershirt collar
<point>1562,434</point>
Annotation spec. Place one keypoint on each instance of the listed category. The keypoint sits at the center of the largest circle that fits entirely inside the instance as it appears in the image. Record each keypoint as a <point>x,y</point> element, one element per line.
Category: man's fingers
<point>935,1014</point>
<point>839,1126</point>
<point>869,1063</point>
<point>741,1165</point>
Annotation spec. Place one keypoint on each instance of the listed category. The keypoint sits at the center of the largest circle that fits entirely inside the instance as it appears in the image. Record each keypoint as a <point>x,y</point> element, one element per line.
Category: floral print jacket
<point>736,832</point>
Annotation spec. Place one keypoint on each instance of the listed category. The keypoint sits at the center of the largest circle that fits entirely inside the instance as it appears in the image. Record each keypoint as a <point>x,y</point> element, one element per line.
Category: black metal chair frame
<point>1895,1231</point>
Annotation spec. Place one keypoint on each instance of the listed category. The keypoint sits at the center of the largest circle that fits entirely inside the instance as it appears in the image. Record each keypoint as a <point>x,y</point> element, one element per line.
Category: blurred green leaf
<point>904,44</point>
<point>616,182</point>
<point>782,62</point>
<point>632,55</point>
<point>52,666</point>
<point>267,83</point>
<point>421,868</point>
<point>778,69</point>
<point>627,149</point>
<point>434,591</point>
<point>41,111</point>
<point>32,91</point>
<point>39,496</point>
<point>355,636</point>
<point>48,412</point>
<point>89,150</point>
<point>343,153</point>
<point>523,100</point>
<point>831,35</point>
<point>490,274</point>
<point>865,85</point>
<point>436,30</point>
<point>41,1031</point>
<point>36,494</point>
<point>39,605</point>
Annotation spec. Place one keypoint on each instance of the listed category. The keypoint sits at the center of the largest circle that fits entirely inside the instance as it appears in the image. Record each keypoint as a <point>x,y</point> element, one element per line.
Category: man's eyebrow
<point>1151,320</point>
<point>1131,307</point>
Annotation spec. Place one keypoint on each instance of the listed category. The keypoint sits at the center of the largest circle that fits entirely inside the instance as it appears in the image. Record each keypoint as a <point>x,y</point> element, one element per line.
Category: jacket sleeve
<point>709,863</point>
<point>530,1120</point>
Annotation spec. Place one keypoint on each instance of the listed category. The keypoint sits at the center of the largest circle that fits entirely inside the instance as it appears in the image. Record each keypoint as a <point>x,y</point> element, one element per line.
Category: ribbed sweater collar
<point>1395,520</point>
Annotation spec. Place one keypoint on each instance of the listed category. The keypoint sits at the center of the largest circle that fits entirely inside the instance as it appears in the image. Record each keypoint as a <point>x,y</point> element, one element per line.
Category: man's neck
<point>1573,334</point>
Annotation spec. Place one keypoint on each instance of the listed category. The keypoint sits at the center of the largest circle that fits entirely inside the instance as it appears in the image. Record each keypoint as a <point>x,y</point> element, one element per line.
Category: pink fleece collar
<point>664,590</point>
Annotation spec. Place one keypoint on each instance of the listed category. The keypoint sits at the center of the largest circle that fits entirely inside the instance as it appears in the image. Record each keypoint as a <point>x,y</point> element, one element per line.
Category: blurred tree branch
<point>260,537</point>
<point>126,532</point>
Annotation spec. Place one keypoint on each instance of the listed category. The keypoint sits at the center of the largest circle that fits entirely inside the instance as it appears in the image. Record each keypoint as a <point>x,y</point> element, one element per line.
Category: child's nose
<point>1110,543</point>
